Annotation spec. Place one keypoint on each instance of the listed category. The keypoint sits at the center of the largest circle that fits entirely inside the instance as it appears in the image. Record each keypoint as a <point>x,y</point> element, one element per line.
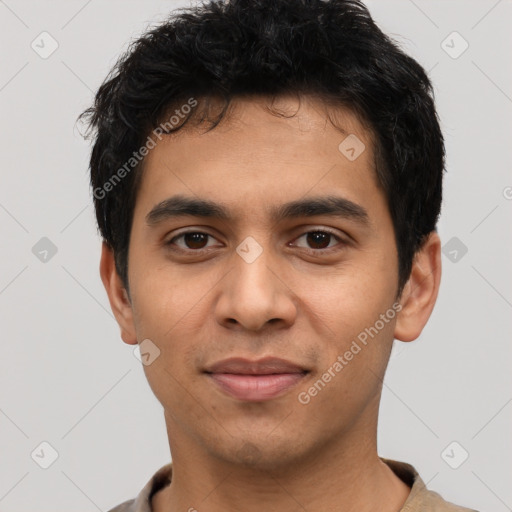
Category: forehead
<point>255,157</point>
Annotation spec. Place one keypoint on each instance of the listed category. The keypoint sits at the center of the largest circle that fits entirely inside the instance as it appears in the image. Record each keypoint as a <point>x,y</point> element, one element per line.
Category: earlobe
<point>420,293</point>
<point>119,301</point>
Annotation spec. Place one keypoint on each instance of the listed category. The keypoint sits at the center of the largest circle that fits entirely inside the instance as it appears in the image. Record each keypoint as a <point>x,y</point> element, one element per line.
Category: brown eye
<point>195,240</point>
<point>191,240</point>
<point>318,239</point>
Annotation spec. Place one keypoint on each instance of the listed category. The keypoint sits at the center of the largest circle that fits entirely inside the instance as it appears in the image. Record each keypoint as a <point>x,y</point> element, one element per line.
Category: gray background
<point>67,378</point>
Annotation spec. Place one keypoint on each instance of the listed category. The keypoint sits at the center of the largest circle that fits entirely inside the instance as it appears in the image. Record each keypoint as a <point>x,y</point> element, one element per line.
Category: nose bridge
<point>252,282</point>
<point>253,295</point>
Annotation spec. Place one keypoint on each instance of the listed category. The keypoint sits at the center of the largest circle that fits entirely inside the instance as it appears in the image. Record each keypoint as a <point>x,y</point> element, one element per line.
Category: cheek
<point>352,367</point>
<point>172,323</point>
<point>171,309</point>
<point>353,315</point>
<point>164,299</point>
<point>351,299</point>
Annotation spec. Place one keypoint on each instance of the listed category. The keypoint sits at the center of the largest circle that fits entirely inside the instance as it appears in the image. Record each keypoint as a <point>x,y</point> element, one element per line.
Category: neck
<point>344,474</point>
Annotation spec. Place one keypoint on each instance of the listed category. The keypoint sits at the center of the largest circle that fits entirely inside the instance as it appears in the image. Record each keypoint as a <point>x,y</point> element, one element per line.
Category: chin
<point>263,456</point>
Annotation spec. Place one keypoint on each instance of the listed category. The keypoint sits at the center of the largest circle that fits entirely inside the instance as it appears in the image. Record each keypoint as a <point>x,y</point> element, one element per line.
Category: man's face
<point>298,287</point>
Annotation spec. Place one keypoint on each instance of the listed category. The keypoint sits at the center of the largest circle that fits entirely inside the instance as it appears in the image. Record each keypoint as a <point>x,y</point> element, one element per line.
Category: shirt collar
<point>418,496</point>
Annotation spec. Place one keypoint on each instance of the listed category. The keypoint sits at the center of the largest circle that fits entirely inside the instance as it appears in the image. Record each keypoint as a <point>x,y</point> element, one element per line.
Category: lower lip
<point>256,388</point>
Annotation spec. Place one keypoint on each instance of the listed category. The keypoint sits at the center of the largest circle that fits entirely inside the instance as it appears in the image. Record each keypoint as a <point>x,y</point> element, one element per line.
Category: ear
<point>420,292</point>
<point>117,295</point>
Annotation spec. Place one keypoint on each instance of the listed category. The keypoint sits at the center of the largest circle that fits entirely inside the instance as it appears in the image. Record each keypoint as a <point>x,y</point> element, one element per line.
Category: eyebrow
<point>333,206</point>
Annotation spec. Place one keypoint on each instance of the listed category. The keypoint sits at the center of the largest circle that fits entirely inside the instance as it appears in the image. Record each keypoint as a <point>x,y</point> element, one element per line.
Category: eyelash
<point>315,252</point>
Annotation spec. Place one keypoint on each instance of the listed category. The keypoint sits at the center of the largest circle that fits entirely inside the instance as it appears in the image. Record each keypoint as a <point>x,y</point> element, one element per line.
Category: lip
<point>265,366</point>
<point>255,381</point>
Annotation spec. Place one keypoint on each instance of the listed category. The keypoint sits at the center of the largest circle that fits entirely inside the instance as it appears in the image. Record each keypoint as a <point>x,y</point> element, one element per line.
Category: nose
<point>254,294</point>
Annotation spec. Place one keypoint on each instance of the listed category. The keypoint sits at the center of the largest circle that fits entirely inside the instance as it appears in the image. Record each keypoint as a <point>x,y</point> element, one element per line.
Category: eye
<point>320,241</point>
<point>192,240</point>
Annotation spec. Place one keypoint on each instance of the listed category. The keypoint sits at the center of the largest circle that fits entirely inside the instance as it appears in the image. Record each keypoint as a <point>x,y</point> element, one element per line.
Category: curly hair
<point>221,50</point>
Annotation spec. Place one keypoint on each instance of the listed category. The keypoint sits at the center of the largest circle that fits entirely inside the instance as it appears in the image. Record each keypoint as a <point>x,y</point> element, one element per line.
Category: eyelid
<point>188,231</point>
<point>304,230</point>
<point>342,241</point>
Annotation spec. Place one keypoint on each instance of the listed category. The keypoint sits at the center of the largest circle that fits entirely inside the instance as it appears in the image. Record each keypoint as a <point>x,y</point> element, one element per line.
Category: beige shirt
<point>420,498</point>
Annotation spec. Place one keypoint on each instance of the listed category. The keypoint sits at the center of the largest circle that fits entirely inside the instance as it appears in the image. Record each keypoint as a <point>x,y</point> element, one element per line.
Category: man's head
<point>332,50</point>
<point>304,159</point>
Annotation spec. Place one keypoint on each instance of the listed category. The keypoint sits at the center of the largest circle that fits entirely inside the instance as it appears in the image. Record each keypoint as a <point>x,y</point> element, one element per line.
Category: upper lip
<point>265,366</point>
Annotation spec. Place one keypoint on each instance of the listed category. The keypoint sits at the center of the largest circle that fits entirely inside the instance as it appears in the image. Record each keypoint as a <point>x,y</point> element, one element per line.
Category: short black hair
<point>221,50</point>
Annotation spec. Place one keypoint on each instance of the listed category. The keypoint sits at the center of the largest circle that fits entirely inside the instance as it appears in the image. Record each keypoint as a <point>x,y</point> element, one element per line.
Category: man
<point>267,178</point>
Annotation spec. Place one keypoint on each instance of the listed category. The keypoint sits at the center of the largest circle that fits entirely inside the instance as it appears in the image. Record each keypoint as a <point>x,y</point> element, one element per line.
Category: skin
<point>200,308</point>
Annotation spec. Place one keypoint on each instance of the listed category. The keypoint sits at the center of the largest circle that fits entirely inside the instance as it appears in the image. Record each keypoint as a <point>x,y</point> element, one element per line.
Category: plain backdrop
<point>68,380</point>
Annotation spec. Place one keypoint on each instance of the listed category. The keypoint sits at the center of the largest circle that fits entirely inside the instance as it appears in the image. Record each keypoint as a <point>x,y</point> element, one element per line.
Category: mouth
<point>255,381</point>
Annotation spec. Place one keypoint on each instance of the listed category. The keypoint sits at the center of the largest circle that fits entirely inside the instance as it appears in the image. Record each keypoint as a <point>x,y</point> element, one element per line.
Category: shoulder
<point>421,499</point>
<point>142,503</point>
<point>431,501</point>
